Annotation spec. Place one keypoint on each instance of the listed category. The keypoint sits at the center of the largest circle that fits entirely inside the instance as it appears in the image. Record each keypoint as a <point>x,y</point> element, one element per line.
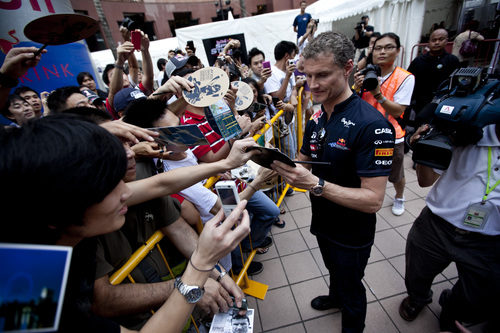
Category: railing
<point>488,50</point>
<point>249,287</point>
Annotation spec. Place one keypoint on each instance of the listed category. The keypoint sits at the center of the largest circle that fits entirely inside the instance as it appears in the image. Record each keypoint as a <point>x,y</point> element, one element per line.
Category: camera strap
<point>488,188</point>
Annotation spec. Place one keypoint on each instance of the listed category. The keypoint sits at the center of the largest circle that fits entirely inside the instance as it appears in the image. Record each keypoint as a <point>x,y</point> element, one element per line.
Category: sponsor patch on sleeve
<point>384,151</point>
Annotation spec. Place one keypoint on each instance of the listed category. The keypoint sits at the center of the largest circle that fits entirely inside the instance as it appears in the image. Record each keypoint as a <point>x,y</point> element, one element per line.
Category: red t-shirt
<point>216,142</point>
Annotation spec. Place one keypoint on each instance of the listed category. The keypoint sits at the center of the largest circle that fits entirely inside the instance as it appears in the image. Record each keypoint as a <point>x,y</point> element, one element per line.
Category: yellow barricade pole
<point>300,124</point>
<point>135,259</point>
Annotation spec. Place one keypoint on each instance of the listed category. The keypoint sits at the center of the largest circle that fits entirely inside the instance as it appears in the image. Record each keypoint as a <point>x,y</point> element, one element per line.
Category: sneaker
<point>290,192</point>
<point>255,268</point>
<point>398,207</point>
<point>322,303</point>
<point>407,311</point>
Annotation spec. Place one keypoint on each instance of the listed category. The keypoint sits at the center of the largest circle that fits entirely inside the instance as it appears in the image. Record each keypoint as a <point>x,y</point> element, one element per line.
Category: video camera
<point>371,73</point>
<point>457,116</point>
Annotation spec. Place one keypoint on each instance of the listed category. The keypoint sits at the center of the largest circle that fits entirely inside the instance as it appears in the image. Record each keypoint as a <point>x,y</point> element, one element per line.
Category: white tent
<point>403,17</point>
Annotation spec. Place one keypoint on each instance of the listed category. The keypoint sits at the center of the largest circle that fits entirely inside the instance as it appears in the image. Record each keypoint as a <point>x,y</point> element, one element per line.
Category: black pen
<point>313,162</point>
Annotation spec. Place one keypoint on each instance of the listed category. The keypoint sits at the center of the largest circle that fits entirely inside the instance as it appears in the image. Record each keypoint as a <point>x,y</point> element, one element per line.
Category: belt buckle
<point>462,231</point>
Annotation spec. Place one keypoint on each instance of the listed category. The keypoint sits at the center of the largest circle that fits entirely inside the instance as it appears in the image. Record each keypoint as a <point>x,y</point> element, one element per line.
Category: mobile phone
<point>291,62</point>
<point>266,64</point>
<point>228,194</point>
<point>190,44</point>
<point>275,100</point>
<point>135,36</point>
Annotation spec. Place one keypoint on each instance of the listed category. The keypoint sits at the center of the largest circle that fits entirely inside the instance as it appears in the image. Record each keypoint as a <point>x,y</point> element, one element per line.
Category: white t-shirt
<point>405,90</point>
<point>273,83</point>
<point>464,183</point>
<point>199,195</point>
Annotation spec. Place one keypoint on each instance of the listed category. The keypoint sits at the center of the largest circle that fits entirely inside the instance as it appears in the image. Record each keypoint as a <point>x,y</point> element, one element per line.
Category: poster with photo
<point>232,322</point>
<point>214,46</point>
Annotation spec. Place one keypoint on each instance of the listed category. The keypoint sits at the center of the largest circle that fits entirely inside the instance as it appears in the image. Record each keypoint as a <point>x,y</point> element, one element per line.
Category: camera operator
<point>461,224</point>
<point>362,34</point>
<point>391,97</point>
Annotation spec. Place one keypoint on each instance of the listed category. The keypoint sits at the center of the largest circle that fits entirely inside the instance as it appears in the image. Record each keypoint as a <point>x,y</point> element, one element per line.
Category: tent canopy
<point>403,17</point>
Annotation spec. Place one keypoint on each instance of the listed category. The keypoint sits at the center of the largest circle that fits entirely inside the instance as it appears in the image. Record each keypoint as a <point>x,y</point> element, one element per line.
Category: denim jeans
<point>347,268</point>
<point>263,212</point>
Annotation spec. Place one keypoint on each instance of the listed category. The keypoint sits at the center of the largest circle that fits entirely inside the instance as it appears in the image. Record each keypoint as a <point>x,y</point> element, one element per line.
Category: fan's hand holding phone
<point>228,194</point>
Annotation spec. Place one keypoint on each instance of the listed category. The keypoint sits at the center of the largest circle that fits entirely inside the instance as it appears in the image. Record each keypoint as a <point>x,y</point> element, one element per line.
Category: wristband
<point>382,100</point>
<point>200,270</point>
<point>8,82</point>
<point>118,66</point>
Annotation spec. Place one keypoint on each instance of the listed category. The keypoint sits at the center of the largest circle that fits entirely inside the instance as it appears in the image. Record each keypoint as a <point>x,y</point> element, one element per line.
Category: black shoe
<point>263,247</point>
<point>446,320</point>
<point>408,311</point>
<point>254,269</point>
<point>290,192</point>
<point>322,303</point>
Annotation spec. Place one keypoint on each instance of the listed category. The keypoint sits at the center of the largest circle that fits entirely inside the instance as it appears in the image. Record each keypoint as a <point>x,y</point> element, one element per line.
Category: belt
<point>459,231</point>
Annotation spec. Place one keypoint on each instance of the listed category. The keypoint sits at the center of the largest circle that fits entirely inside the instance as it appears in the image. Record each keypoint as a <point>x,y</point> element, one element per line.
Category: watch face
<point>194,295</point>
<point>317,190</point>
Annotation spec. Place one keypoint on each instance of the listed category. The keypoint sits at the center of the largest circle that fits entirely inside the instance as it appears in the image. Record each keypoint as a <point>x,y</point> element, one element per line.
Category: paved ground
<point>295,272</point>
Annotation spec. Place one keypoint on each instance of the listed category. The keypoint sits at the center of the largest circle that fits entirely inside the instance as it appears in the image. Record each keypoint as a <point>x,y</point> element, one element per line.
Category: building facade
<point>160,18</point>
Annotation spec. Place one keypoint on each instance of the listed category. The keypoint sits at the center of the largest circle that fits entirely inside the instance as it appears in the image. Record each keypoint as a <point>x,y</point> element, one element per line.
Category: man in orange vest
<point>391,97</point>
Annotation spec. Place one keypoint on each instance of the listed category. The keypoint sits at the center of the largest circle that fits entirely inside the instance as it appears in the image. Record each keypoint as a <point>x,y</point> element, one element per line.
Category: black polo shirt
<point>359,142</point>
<point>430,71</point>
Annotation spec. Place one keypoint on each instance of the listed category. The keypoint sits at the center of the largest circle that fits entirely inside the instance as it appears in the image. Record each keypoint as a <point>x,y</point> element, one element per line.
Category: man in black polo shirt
<point>431,69</point>
<point>358,142</point>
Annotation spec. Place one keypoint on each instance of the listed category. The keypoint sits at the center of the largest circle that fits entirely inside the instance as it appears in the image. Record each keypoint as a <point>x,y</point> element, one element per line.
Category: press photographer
<point>389,88</point>
<point>461,220</point>
<point>361,38</point>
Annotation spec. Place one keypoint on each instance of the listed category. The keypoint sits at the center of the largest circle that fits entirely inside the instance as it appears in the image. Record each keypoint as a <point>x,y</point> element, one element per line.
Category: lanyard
<point>488,188</point>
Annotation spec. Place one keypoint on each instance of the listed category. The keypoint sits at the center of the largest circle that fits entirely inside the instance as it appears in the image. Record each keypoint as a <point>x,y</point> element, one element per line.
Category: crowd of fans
<point>79,156</point>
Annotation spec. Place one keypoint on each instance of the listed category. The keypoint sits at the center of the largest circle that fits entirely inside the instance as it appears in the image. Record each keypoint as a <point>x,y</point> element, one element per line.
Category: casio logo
<point>383,130</point>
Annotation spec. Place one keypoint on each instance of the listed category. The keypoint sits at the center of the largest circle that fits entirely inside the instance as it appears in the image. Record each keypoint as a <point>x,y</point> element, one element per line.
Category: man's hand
<point>129,132</point>
<point>418,133</point>
<point>290,68</point>
<point>264,75</point>
<point>150,150</point>
<point>215,299</point>
<point>144,41</point>
<point>296,176</point>
<point>358,80</point>
<point>230,96</point>
<point>244,122</point>
<point>263,176</point>
<point>124,51</point>
<point>232,288</point>
<point>257,125</point>
<point>239,154</point>
<point>18,60</point>
<point>175,85</point>
<point>125,33</point>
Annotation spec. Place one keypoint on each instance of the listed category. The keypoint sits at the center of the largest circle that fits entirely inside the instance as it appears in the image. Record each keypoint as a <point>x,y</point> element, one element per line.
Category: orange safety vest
<point>388,89</point>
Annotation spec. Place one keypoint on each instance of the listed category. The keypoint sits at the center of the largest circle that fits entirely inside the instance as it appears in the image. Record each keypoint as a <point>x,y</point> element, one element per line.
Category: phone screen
<point>227,196</point>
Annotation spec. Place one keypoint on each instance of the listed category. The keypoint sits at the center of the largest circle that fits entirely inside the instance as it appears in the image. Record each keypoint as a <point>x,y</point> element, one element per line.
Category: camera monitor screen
<point>32,284</point>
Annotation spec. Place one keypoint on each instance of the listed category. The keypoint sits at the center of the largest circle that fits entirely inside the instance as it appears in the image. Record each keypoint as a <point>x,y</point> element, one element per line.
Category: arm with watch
<point>367,198</point>
<point>215,241</point>
<point>391,107</point>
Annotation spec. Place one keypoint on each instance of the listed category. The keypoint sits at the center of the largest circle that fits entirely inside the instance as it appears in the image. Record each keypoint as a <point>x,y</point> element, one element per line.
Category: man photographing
<point>345,195</point>
<point>362,34</point>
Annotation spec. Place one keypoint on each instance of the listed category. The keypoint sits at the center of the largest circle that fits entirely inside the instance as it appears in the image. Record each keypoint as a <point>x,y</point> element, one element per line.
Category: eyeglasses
<point>386,48</point>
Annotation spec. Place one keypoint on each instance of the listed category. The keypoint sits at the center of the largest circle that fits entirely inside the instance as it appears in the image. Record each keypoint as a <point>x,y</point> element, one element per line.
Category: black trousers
<point>432,245</point>
<point>347,268</point>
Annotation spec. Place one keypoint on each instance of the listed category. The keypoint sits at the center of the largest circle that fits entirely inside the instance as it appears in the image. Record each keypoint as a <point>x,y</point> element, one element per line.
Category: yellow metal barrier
<point>300,121</point>
<point>135,259</point>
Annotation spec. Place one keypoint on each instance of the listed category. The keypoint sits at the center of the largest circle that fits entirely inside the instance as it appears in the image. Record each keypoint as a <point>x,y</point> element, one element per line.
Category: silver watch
<point>317,189</point>
<point>192,294</point>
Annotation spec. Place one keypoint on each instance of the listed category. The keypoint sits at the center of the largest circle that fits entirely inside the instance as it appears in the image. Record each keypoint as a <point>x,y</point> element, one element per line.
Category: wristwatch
<point>317,189</point>
<point>192,294</point>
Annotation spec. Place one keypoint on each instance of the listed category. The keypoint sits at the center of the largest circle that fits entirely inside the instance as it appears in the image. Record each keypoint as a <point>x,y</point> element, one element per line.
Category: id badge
<point>477,215</point>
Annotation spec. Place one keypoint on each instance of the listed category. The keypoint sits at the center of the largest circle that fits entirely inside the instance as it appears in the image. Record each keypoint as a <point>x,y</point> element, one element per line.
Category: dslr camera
<point>316,21</point>
<point>360,26</point>
<point>130,24</point>
<point>371,73</point>
<point>457,116</point>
